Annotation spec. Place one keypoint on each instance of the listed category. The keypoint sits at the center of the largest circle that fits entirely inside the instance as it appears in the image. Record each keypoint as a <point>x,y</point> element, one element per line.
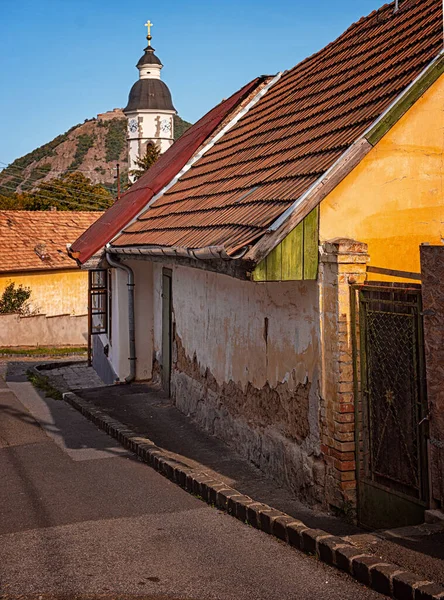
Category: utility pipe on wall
<point>131,321</point>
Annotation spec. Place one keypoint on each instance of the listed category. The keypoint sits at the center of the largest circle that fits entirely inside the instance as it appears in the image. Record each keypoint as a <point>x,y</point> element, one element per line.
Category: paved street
<point>81,516</point>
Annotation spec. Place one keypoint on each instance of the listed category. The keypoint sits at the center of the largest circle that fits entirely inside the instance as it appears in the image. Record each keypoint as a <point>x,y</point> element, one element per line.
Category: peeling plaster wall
<point>245,359</point>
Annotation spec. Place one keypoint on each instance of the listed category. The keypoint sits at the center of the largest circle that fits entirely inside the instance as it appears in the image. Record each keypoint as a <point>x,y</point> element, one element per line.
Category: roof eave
<point>288,220</point>
<point>205,253</point>
<point>210,258</point>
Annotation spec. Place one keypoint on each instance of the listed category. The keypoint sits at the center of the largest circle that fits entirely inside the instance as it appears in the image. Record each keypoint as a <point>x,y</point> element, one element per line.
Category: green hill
<point>93,148</point>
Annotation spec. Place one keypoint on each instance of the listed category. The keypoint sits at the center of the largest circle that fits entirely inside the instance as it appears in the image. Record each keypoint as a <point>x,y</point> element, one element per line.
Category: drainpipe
<point>131,324</point>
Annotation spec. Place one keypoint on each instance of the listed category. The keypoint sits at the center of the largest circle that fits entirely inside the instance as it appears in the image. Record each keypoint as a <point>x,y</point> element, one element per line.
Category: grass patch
<point>42,351</point>
<point>42,383</point>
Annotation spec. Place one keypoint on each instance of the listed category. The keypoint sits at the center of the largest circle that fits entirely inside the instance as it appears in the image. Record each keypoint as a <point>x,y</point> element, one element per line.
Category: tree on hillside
<point>144,162</point>
<point>71,191</point>
<point>14,201</point>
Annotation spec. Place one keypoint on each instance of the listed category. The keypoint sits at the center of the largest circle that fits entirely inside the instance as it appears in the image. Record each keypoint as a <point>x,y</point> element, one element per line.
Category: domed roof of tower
<point>149,94</point>
<point>149,58</point>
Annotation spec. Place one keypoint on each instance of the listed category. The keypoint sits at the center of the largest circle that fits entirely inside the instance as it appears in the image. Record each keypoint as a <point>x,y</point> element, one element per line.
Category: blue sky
<point>63,61</point>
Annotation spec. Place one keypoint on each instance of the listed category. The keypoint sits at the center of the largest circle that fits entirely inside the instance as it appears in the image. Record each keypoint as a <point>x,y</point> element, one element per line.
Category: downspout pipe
<point>131,320</point>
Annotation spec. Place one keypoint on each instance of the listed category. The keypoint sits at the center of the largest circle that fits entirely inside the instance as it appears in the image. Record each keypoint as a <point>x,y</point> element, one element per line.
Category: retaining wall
<point>43,330</point>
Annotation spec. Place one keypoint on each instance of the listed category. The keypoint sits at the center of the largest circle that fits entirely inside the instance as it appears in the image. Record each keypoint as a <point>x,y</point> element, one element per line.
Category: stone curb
<point>383,577</point>
<point>58,365</point>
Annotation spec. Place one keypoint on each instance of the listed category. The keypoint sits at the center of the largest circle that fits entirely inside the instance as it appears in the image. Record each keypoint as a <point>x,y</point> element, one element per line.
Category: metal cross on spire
<point>149,36</point>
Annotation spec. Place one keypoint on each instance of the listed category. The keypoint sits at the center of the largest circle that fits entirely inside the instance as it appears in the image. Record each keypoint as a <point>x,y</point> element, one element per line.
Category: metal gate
<point>392,415</point>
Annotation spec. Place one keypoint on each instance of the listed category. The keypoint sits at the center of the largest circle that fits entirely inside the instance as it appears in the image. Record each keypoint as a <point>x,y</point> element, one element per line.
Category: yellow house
<point>393,199</point>
<point>33,254</point>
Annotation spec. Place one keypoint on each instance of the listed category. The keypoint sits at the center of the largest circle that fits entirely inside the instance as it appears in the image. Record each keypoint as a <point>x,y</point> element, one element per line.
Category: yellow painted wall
<point>53,293</point>
<point>394,199</point>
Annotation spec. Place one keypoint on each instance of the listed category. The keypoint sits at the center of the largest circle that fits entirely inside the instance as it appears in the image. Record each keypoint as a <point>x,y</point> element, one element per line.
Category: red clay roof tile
<point>36,240</point>
<point>294,133</point>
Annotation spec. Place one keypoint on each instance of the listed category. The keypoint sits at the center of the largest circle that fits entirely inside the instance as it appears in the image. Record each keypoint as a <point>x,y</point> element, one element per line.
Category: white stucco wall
<point>143,273</point>
<point>212,311</point>
<point>119,343</point>
<point>246,368</point>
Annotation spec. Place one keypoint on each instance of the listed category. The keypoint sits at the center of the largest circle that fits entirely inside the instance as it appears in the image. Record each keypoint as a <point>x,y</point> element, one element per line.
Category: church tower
<point>150,110</point>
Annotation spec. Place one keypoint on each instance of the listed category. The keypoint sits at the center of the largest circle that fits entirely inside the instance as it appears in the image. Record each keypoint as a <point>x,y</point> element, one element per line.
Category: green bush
<point>15,300</point>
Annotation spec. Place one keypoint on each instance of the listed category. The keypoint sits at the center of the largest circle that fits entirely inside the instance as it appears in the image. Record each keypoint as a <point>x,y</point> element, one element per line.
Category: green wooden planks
<point>296,257</point>
<point>274,264</point>
<point>292,254</point>
<point>260,272</point>
<point>311,242</point>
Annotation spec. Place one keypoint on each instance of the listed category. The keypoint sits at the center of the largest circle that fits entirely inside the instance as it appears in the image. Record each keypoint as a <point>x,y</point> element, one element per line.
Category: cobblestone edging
<point>49,366</point>
<point>383,577</point>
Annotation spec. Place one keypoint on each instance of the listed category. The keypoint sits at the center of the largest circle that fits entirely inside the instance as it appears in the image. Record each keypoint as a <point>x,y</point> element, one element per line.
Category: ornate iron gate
<point>392,420</point>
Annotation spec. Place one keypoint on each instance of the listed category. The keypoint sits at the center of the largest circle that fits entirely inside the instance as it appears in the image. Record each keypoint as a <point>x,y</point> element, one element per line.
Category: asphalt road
<point>81,518</point>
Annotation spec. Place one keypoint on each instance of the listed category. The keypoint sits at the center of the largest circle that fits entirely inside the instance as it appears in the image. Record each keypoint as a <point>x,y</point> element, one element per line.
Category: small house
<point>266,270</point>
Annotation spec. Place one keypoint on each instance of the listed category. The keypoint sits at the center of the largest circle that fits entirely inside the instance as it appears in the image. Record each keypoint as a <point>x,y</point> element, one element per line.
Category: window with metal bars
<point>98,301</point>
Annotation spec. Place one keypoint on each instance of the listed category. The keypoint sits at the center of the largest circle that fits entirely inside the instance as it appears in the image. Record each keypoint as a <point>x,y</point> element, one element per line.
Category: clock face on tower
<point>165,125</point>
<point>133,126</point>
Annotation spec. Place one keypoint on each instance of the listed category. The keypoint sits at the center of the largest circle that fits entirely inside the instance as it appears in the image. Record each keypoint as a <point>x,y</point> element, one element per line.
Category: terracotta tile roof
<point>160,174</point>
<point>36,240</point>
<point>295,133</point>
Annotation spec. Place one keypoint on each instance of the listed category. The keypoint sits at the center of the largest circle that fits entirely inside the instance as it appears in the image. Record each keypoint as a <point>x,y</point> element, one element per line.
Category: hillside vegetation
<point>91,149</point>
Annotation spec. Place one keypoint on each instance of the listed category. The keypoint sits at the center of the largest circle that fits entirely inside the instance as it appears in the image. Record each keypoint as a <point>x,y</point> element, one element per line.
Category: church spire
<point>149,37</point>
<point>149,58</point>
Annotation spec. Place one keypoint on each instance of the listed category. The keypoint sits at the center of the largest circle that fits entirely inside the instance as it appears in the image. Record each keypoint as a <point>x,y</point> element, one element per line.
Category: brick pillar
<point>342,263</point>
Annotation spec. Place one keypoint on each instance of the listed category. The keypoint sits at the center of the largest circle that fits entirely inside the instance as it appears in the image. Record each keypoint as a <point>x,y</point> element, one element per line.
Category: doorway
<point>392,425</point>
